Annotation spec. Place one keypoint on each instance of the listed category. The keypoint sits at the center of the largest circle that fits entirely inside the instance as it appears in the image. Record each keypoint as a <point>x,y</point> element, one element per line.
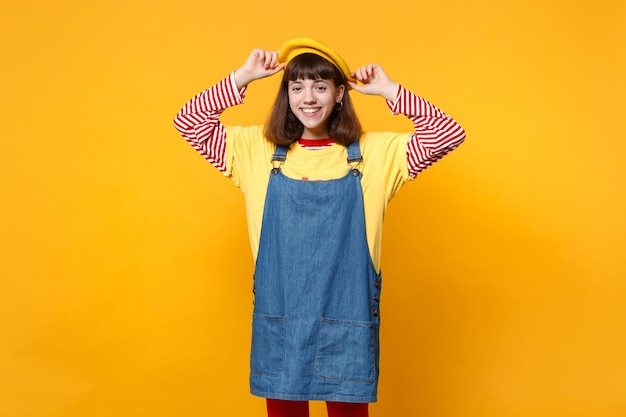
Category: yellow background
<point>125,270</point>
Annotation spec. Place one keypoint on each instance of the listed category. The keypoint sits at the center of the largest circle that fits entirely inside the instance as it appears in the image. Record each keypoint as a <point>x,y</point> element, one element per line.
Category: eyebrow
<point>318,80</point>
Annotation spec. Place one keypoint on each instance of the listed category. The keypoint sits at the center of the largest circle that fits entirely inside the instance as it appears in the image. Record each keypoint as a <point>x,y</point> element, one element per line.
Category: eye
<point>296,88</point>
<point>321,88</point>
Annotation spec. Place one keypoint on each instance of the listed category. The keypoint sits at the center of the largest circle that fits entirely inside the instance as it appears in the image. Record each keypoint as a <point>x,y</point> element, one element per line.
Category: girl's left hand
<point>374,81</point>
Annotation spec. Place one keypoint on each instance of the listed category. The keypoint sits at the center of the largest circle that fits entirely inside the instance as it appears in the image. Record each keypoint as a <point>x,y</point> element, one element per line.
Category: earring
<point>338,108</point>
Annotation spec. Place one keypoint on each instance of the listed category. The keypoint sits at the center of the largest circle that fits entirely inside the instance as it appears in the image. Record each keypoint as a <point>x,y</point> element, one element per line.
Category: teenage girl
<point>316,188</point>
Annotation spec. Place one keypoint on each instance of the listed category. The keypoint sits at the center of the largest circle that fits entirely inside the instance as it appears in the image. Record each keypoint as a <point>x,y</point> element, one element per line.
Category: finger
<point>361,74</point>
<point>274,59</point>
<point>278,68</point>
<point>356,86</point>
<point>254,55</point>
<point>268,60</point>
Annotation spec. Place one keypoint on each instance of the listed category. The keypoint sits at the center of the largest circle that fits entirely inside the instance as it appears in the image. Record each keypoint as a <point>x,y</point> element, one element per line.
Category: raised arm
<point>198,121</point>
<point>435,133</point>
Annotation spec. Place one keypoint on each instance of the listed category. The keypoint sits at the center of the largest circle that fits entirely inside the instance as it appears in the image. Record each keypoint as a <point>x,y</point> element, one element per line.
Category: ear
<point>340,91</point>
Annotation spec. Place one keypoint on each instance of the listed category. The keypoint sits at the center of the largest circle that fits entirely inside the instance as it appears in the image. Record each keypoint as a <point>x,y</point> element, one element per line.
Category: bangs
<point>309,66</point>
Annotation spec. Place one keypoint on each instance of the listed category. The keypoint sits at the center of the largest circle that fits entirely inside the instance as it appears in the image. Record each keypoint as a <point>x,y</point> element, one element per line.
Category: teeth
<point>309,110</point>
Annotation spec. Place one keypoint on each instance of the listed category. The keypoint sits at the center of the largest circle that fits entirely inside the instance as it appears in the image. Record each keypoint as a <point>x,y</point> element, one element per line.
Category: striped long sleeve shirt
<point>435,133</point>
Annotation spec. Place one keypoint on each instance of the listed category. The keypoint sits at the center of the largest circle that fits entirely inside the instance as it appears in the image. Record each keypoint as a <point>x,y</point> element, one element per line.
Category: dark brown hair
<point>283,127</point>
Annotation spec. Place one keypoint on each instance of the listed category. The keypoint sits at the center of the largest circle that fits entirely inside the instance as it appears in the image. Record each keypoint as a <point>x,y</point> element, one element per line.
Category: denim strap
<point>280,153</point>
<point>354,152</point>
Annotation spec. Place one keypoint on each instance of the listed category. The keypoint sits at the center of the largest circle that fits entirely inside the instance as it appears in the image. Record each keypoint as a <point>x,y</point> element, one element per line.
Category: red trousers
<point>283,408</point>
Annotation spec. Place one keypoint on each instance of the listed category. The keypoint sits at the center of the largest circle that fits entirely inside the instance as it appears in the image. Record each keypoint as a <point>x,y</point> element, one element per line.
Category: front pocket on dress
<point>346,350</point>
<point>268,345</point>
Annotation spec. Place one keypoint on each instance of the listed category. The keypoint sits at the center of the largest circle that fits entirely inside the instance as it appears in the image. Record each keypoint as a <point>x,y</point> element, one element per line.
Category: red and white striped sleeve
<point>199,120</point>
<point>435,135</point>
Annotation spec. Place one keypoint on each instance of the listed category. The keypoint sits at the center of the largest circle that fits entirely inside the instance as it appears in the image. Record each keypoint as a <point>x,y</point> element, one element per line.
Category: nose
<point>309,96</point>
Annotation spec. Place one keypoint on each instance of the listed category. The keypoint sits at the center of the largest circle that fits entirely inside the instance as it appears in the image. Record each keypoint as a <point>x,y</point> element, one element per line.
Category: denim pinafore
<point>315,329</point>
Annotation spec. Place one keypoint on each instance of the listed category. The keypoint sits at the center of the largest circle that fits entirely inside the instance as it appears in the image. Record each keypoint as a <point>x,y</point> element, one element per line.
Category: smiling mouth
<point>310,110</point>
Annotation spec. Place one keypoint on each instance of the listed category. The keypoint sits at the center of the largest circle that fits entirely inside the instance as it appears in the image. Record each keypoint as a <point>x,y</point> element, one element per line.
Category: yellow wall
<point>125,274</point>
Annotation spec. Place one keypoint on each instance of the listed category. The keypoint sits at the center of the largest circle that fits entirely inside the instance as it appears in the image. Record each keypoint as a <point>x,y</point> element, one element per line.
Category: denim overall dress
<point>315,329</point>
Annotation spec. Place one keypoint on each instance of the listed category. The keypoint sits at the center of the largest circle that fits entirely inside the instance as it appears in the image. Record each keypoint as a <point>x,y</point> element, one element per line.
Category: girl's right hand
<point>260,64</point>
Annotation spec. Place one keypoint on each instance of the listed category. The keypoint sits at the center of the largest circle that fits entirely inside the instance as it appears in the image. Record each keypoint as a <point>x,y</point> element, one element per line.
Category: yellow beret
<point>298,46</point>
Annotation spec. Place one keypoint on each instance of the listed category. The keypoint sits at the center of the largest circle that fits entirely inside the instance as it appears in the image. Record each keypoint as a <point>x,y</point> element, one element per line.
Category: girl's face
<point>312,101</point>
